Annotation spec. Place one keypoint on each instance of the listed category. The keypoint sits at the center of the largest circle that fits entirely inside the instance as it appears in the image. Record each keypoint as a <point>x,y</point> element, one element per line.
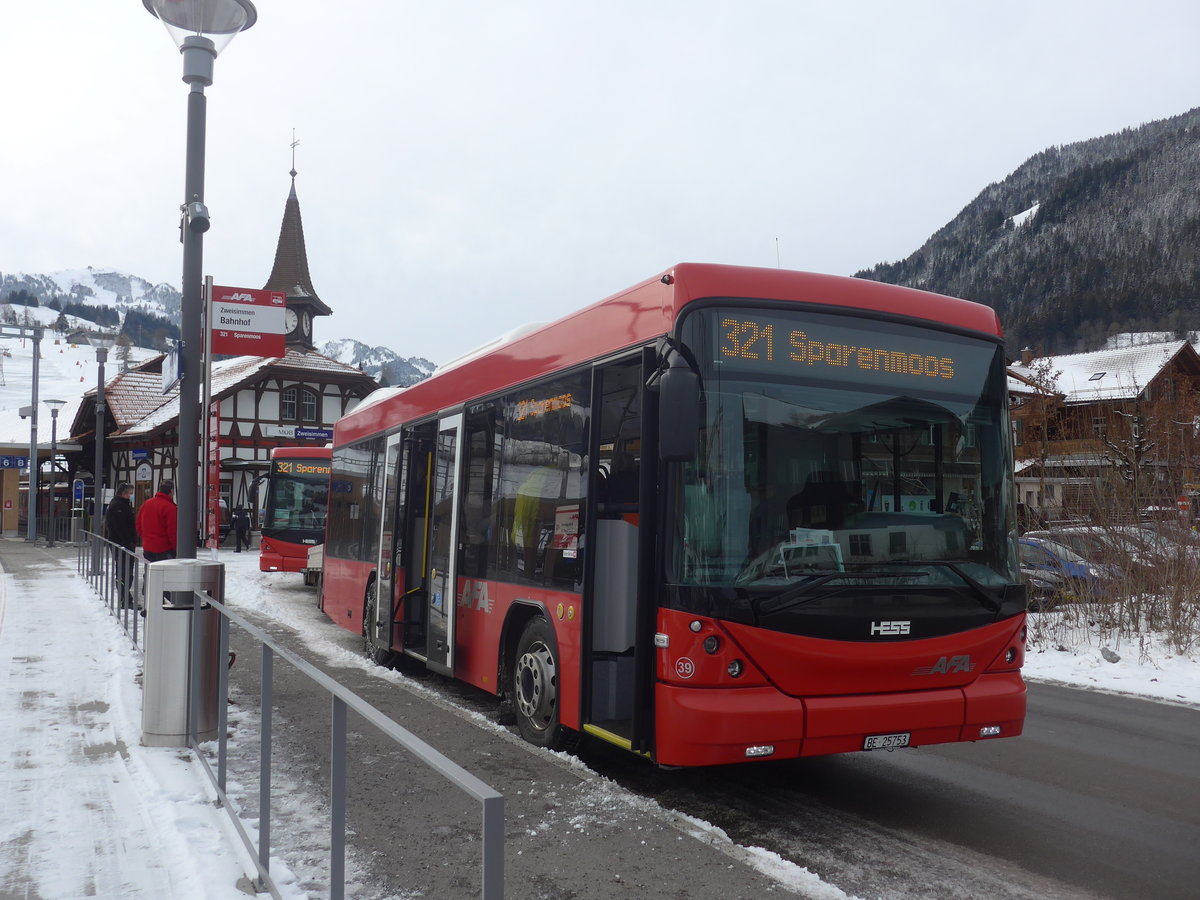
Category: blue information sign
<point>314,434</point>
<point>14,462</point>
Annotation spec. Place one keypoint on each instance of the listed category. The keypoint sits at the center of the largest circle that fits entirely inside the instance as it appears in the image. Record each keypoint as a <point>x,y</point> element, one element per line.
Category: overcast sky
<point>465,167</point>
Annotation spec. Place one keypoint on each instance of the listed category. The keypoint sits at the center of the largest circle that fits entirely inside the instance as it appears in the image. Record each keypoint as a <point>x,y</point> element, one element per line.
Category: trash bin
<point>170,587</point>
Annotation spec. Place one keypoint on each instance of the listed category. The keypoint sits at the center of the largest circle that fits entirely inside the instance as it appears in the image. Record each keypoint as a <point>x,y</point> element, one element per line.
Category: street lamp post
<point>103,343</point>
<point>200,28</point>
<point>54,406</point>
<point>31,525</point>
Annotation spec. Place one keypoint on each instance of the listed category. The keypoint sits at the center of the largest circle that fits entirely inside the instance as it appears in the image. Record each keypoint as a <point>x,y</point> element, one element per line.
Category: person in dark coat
<point>120,528</point>
<point>241,527</point>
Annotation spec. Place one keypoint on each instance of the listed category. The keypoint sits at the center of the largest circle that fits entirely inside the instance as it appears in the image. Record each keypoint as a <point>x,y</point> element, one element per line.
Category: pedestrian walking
<point>121,529</point>
<point>157,521</point>
<point>241,528</point>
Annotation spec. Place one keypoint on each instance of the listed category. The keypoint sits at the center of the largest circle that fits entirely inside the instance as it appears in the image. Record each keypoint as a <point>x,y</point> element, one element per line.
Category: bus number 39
<point>746,340</point>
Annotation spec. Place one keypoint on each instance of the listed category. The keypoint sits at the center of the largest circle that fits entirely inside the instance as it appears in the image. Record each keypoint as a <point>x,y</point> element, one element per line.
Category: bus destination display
<point>817,347</point>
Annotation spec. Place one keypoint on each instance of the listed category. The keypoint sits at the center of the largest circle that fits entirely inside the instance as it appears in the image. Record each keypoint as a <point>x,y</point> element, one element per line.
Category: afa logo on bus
<point>475,596</point>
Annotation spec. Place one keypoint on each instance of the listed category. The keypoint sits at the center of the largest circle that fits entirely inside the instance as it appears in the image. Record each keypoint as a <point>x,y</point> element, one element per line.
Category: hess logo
<point>890,628</point>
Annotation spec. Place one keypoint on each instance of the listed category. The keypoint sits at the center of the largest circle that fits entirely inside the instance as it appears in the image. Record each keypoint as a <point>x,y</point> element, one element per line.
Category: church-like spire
<point>290,272</point>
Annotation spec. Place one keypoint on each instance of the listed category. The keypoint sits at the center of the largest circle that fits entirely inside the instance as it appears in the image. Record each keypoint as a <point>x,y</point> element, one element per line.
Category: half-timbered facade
<point>261,403</point>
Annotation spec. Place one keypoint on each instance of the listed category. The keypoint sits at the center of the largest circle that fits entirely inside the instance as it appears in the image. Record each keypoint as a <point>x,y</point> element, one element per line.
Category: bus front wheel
<point>535,689</point>
<point>376,652</point>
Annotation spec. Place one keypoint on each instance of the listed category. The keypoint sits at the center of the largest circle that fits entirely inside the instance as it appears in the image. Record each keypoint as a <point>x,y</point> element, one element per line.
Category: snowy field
<point>88,811</point>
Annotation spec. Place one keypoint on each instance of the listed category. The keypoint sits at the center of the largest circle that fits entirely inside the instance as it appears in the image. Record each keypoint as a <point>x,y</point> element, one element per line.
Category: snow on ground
<point>88,811</point>
<point>1144,665</point>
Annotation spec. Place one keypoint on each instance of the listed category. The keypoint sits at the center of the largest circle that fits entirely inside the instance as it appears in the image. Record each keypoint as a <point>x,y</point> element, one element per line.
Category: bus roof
<point>632,318</point>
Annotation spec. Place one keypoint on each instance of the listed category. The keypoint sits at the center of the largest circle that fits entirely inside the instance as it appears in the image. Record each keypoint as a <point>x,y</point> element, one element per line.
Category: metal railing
<point>63,527</point>
<point>117,575</point>
<point>102,568</point>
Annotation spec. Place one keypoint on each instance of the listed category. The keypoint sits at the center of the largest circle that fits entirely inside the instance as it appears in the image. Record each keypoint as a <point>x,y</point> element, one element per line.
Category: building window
<point>1018,428</point>
<point>1099,427</point>
<point>297,404</point>
<point>287,404</point>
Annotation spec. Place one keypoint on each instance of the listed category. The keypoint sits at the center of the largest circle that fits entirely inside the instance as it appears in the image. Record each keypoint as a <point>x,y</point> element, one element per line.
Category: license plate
<point>887,741</point>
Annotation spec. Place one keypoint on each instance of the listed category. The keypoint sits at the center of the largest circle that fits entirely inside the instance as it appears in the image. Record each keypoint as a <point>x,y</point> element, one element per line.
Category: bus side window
<point>477,534</point>
<point>542,481</point>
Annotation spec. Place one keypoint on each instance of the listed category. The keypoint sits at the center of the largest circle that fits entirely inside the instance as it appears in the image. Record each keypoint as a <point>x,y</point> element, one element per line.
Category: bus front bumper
<point>704,727</point>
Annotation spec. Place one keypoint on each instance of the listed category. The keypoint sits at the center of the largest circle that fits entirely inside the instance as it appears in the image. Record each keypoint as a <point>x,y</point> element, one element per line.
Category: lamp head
<point>216,20</point>
<point>102,340</point>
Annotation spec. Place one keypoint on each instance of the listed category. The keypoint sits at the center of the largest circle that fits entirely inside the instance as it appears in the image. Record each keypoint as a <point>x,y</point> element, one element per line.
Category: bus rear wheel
<point>376,652</point>
<point>535,689</point>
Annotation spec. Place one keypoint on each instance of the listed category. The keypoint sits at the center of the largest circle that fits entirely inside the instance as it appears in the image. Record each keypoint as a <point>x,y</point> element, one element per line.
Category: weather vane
<point>295,143</point>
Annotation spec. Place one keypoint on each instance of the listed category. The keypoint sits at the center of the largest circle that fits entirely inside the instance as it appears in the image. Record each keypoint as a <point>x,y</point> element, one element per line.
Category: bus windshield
<point>843,450</point>
<point>297,499</point>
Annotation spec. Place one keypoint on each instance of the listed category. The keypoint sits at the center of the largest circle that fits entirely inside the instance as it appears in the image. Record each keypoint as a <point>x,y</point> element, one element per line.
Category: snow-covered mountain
<point>383,364</point>
<point>110,288</point>
<point>96,287</point>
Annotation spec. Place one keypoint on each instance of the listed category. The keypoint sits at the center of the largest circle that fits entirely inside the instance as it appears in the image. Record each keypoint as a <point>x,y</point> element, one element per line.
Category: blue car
<point>1080,579</point>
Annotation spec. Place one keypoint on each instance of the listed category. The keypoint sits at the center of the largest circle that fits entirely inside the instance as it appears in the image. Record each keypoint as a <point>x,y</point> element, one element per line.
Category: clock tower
<point>290,275</point>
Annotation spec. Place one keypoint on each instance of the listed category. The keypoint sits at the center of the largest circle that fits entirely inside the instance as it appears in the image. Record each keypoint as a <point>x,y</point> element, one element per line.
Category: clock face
<point>289,320</point>
<point>306,323</point>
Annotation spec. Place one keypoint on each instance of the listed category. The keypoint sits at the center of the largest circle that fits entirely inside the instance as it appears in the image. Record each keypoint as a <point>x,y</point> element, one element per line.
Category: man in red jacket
<point>157,520</point>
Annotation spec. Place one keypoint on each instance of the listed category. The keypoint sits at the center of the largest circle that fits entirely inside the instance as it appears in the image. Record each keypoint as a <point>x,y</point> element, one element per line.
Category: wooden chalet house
<point>263,402</point>
<point>1104,434</point>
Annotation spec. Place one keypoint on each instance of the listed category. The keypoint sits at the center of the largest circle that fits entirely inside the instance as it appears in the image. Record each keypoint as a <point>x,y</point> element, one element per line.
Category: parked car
<point>1081,579</point>
<point>1168,548</point>
<point>1116,552</point>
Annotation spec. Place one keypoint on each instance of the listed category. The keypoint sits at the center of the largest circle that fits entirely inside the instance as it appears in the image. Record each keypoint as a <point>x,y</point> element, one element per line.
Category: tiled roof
<point>140,408</point>
<point>1114,374</point>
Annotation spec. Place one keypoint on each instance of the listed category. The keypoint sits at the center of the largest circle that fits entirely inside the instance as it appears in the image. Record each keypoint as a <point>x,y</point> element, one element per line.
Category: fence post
<point>264,764</point>
<point>493,848</point>
<point>337,801</point>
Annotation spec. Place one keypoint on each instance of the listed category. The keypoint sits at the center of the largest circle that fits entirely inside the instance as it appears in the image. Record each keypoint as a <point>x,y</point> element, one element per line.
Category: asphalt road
<point>1100,798</point>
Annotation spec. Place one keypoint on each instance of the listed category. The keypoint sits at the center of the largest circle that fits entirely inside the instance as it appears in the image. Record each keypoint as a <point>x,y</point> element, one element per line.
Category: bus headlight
<point>734,668</point>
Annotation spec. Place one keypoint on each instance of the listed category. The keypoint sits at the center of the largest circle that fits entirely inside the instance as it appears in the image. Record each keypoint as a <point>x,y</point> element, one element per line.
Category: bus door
<point>443,542</point>
<point>388,546</point>
<point>612,613</point>
<point>412,529</point>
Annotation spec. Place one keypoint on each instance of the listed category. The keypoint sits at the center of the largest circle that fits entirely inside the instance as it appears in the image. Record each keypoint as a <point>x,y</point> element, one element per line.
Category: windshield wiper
<point>796,595</point>
<point>985,596</point>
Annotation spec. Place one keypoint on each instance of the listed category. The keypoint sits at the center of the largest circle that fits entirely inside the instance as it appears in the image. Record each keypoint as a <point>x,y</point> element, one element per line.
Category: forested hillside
<point>1080,242</point>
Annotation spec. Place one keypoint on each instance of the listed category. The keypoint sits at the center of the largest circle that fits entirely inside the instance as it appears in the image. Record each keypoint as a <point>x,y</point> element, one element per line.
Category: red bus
<point>293,518</point>
<point>727,514</point>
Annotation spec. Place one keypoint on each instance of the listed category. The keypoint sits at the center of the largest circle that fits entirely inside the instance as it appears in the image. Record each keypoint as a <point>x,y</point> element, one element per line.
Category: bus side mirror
<point>678,411</point>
